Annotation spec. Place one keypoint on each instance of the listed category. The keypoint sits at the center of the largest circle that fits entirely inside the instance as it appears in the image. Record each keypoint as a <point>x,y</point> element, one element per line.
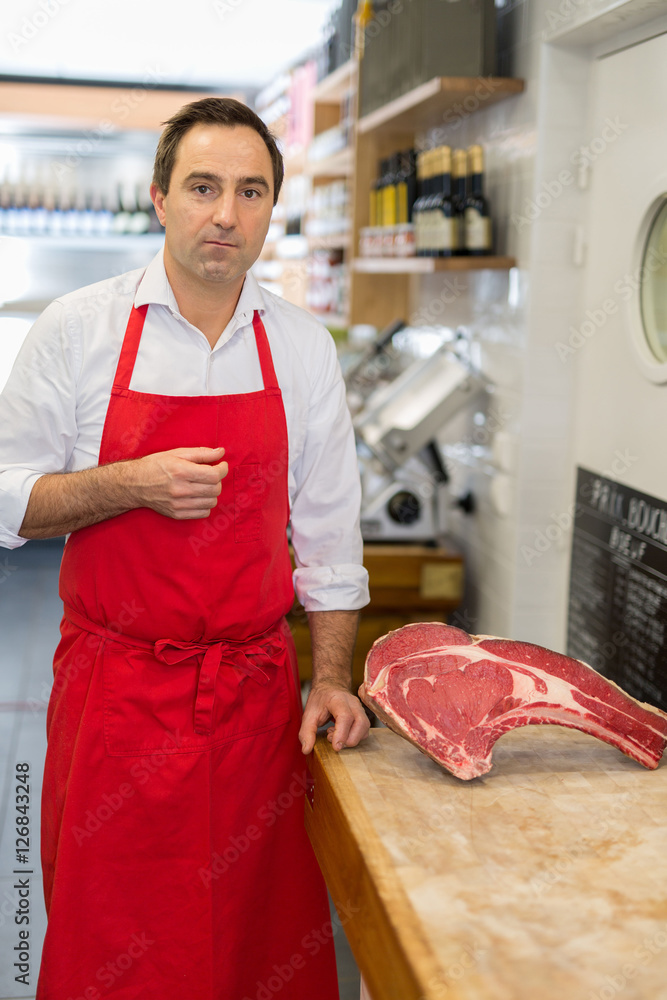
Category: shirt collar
<point>154,289</point>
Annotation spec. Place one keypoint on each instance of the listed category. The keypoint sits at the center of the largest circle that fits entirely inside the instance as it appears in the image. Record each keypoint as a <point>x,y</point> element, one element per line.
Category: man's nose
<point>224,211</point>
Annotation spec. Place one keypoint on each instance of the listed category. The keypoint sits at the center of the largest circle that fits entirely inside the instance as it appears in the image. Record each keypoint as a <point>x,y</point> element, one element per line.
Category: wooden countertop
<point>545,879</point>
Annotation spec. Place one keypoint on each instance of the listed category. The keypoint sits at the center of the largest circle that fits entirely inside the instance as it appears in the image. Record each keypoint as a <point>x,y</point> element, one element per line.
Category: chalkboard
<point>618,586</point>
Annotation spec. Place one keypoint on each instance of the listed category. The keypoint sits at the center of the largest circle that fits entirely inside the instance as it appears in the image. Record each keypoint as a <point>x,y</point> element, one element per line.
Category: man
<point>176,864</point>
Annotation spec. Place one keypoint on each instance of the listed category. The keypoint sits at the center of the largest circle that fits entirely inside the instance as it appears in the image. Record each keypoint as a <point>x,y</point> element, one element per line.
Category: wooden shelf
<point>340,164</point>
<point>143,107</point>
<point>429,265</point>
<point>427,105</point>
<point>332,88</point>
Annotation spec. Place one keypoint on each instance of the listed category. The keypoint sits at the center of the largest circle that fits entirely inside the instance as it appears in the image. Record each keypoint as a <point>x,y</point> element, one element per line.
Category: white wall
<point>520,462</point>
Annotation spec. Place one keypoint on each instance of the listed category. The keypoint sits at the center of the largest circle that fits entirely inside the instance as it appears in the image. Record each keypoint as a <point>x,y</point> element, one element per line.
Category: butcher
<point>172,422</point>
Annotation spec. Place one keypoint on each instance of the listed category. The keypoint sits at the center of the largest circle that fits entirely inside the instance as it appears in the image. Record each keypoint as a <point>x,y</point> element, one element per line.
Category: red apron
<point>176,863</point>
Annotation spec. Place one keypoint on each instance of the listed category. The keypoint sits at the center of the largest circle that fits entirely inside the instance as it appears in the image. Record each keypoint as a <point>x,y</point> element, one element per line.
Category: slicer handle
<point>384,337</point>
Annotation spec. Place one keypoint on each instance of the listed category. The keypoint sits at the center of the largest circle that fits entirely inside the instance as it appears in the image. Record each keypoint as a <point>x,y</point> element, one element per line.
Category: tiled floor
<point>30,613</point>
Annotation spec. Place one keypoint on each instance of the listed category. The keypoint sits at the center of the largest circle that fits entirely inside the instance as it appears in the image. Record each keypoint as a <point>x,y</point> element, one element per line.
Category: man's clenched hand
<point>181,483</point>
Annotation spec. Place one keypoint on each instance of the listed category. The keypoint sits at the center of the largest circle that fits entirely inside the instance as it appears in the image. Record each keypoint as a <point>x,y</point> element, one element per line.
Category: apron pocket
<point>149,706</point>
<point>248,490</point>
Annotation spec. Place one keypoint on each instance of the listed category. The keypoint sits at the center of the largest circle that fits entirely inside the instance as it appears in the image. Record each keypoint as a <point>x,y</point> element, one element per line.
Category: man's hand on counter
<point>333,634</point>
<point>327,702</point>
<point>181,483</point>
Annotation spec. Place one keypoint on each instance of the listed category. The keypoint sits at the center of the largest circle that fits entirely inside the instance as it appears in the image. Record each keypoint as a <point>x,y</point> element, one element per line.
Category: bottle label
<point>419,219</point>
<point>478,230</point>
<point>444,234</point>
<point>427,234</point>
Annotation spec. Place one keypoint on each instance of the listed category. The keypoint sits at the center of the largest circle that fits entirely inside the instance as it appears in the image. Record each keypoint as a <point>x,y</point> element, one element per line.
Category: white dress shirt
<point>54,404</point>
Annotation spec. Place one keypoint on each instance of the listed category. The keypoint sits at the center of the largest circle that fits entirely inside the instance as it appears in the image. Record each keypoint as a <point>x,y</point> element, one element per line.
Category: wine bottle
<point>389,192</point>
<point>442,208</point>
<point>140,222</point>
<point>405,186</point>
<point>54,213</point>
<point>419,205</point>
<point>381,184</point>
<point>22,212</point>
<point>122,214</point>
<point>38,215</point>
<point>373,214</point>
<point>70,216</point>
<point>432,181</point>
<point>478,239</point>
<point>459,177</point>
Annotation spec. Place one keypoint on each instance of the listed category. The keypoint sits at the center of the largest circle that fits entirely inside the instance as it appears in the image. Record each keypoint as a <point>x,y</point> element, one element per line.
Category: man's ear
<point>157,197</point>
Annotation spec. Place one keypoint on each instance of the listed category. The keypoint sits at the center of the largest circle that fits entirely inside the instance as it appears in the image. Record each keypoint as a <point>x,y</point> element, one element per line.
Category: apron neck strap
<point>264,352</point>
<point>128,352</point>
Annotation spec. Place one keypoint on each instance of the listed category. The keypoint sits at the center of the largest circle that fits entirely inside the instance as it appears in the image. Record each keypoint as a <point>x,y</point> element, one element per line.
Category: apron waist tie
<point>245,655</point>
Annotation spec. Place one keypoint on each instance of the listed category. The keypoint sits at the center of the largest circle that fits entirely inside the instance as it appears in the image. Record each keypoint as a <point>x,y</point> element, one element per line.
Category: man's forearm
<point>333,635</point>
<point>64,502</point>
<point>183,483</point>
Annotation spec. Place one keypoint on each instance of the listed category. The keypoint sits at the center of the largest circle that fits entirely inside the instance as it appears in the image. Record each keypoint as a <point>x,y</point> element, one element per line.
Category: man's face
<point>218,208</point>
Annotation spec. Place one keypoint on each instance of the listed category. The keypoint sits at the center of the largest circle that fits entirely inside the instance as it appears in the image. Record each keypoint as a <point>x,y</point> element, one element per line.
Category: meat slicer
<point>402,401</point>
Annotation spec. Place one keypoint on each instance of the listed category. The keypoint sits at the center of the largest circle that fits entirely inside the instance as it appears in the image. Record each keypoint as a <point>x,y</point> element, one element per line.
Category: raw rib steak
<point>453,695</point>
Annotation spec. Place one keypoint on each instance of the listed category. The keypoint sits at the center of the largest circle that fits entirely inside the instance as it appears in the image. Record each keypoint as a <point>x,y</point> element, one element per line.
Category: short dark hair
<point>211,111</point>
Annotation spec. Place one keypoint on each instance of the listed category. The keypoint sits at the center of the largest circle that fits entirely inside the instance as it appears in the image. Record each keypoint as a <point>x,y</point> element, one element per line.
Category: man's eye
<point>250,194</point>
<point>202,188</point>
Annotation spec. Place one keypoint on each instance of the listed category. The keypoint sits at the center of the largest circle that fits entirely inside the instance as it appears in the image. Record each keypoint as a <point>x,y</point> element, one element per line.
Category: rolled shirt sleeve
<point>326,536</point>
<point>37,417</point>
